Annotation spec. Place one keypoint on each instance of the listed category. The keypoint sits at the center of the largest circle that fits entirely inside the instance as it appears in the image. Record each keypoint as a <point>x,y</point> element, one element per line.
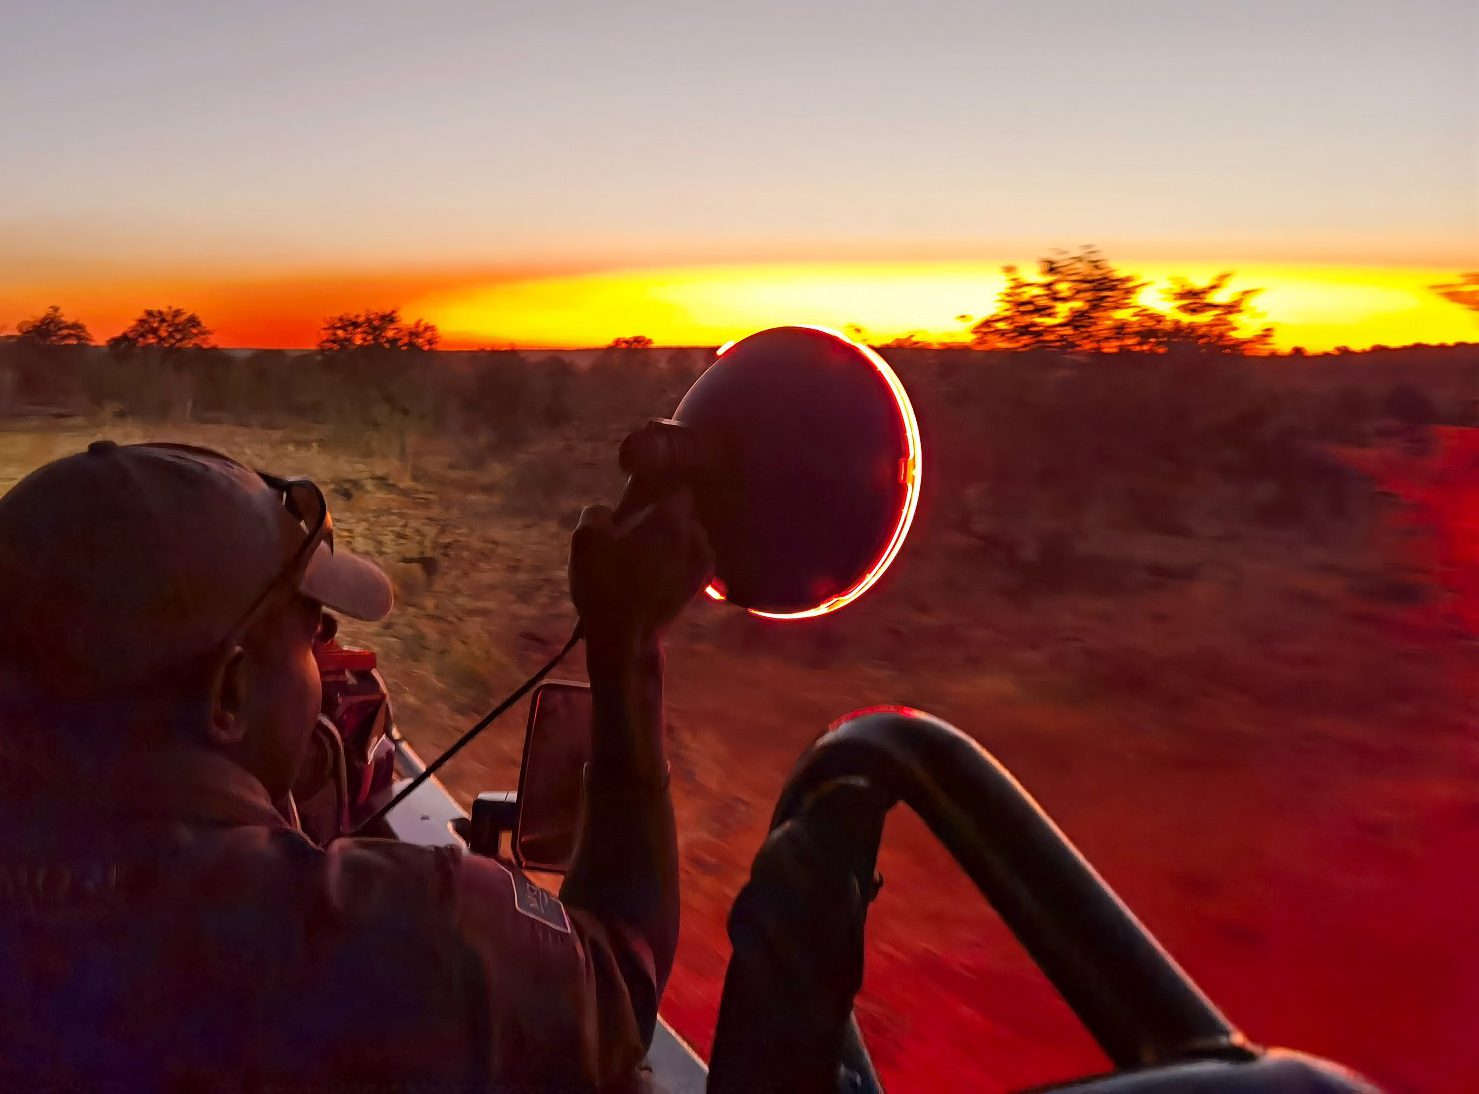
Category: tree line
<point>174,329</point>
<point>1074,303</point>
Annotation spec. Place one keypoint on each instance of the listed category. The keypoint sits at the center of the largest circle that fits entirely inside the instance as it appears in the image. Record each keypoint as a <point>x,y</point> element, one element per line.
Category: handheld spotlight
<point>804,455</point>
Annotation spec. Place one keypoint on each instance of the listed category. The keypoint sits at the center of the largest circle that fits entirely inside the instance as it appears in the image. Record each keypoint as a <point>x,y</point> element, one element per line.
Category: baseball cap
<point>122,562</point>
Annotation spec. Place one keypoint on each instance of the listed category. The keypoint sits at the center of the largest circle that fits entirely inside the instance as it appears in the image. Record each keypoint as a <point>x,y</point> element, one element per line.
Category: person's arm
<point>628,582</point>
<point>574,990</point>
<point>625,870</point>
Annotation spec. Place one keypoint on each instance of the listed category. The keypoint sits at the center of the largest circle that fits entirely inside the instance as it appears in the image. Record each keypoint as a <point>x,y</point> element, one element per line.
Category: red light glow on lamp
<point>910,476</point>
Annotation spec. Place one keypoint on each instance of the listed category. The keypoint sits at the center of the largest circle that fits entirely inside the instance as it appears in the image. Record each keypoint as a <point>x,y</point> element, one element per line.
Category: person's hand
<point>797,932</point>
<point>628,581</point>
<point>810,888</point>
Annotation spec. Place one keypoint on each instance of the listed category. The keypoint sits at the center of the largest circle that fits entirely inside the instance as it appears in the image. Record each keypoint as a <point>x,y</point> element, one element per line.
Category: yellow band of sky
<point>1318,307</point>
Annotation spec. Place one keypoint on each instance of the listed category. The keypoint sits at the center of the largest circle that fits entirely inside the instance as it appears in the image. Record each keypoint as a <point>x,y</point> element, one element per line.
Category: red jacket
<point>165,929</point>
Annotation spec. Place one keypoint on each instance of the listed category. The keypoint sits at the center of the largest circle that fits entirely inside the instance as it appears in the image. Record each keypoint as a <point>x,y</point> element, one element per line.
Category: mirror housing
<point>557,747</point>
<point>494,812</point>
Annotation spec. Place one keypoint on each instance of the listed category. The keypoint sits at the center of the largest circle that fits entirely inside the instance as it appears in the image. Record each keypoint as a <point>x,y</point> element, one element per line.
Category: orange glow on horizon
<point>1318,307</point>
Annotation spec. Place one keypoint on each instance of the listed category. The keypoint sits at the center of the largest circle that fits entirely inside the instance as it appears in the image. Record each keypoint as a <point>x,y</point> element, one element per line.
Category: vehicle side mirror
<point>557,746</point>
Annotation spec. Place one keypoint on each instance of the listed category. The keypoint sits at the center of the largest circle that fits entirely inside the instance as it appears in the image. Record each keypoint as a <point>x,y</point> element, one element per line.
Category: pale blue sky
<point>342,134</point>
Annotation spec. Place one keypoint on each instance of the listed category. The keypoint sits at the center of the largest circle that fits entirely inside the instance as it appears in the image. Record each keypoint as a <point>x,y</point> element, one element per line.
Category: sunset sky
<point>560,173</point>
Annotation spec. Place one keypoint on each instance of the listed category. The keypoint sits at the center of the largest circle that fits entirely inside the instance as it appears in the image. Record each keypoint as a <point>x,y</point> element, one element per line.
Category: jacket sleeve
<point>625,876</point>
<point>593,969</point>
<point>572,987</point>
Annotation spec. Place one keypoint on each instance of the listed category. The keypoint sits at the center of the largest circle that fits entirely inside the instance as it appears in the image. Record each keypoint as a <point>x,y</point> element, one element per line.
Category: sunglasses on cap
<point>304,502</point>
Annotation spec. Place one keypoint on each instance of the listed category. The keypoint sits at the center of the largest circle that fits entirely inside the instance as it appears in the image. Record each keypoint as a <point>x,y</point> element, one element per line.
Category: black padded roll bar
<point>1128,992</point>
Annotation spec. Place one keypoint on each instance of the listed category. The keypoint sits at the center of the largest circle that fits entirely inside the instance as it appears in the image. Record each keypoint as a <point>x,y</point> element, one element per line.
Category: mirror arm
<point>494,812</point>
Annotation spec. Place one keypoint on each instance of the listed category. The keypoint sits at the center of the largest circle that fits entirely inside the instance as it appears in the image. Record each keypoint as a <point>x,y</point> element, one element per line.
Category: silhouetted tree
<point>1079,303</point>
<point>51,328</point>
<point>628,374</point>
<point>631,353</point>
<point>907,341</point>
<point>375,330</point>
<point>387,390</point>
<point>636,341</point>
<point>1197,319</point>
<point>167,329</point>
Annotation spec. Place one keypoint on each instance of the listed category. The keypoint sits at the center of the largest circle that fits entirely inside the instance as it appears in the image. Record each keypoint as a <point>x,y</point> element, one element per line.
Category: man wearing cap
<point>163,927</point>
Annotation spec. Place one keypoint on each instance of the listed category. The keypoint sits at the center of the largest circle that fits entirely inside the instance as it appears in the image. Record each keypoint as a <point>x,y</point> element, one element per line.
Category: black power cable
<point>659,446</point>
<point>483,723</point>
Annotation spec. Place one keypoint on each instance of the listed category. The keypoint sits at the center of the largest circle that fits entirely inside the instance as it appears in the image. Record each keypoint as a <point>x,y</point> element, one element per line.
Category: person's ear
<point>227,724</point>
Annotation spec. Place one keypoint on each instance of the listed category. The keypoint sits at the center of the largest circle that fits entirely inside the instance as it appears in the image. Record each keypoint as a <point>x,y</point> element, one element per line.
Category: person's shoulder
<point>361,875</point>
<point>482,900</point>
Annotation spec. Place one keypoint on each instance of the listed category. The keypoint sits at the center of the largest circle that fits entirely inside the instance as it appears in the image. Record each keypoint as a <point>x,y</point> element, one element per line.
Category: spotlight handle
<point>665,449</point>
<point>658,458</point>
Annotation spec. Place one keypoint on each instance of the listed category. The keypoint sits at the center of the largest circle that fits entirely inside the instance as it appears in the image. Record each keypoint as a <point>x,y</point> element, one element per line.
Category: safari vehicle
<point>810,439</point>
<point>1159,1030</point>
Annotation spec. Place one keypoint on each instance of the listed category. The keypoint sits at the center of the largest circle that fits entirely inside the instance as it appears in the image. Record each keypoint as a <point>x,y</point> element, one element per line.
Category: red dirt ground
<point>1302,836</point>
<point>1274,765</point>
<point>1275,769</point>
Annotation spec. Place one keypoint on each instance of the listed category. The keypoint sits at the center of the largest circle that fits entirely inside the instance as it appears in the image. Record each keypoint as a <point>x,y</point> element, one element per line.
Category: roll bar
<point>1128,992</point>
